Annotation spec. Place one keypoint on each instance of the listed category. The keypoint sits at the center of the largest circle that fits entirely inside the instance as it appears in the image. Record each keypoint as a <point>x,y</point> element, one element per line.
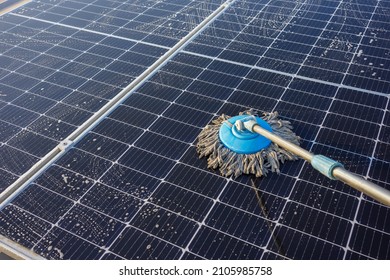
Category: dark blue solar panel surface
<point>133,187</point>
<point>55,75</point>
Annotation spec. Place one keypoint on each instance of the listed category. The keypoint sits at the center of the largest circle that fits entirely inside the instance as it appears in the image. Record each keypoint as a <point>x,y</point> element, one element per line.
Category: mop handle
<point>325,165</point>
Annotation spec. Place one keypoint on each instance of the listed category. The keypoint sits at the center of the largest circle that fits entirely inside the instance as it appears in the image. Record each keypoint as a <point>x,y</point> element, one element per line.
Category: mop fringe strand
<point>234,164</point>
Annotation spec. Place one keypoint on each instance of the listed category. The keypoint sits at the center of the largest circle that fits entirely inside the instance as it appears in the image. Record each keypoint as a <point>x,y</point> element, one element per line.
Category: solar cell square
<point>69,114</point>
<point>133,116</point>
<point>93,226</point>
<point>49,61</point>
<point>111,202</point>
<point>102,146</point>
<point>242,225</point>
<point>317,223</point>
<point>186,133</point>
<point>166,147</point>
<point>10,63</point>
<point>165,224</point>
<point>60,244</point>
<point>17,115</point>
<point>188,115</point>
<point>21,226</point>
<point>300,246</point>
<point>55,129</point>
<point>140,160</point>
<point>351,125</point>
<point>32,143</point>
<point>256,199</point>
<point>34,102</point>
<point>7,130</point>
<point>49,209</point>
<point>130,181</point>
<point>369,242</point>
<point>34,71</point>
<point>146,103</point>
<point>215,245</point>
<point>325,198</point>
<point>196,180</point>
<point>64,182</point>
<point>19,81</point>
<point>7,179</point>
<point>137,245</point>
<point>85,164</point>
<point>179,200</point>
<point>347,142</point>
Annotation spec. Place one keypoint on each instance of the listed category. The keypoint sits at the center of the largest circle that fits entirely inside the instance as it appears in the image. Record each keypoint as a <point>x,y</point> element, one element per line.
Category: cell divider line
<point>19,185</point>
<point>289,74</point>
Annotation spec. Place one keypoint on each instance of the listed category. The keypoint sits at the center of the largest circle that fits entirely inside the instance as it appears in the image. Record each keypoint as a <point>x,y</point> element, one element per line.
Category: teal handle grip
<point>325,165</point>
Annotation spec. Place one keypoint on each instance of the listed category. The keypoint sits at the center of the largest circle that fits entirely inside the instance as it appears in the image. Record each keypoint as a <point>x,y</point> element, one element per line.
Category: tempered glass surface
<point>61,61</point>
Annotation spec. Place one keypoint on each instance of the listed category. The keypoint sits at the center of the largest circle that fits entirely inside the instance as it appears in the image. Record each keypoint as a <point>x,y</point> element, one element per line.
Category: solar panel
<point>56,73</point>
<point>134,188</point>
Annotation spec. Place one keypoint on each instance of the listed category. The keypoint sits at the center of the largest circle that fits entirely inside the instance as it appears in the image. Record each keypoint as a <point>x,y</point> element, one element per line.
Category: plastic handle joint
<point>325,165</point>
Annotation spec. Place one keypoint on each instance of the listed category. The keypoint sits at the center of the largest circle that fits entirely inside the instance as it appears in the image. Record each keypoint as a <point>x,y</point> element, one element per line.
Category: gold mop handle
<point>326,166</point>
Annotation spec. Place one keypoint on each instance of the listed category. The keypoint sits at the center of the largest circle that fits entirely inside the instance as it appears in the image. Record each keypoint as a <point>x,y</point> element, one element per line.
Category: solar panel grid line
<point>376,143</point>
<point>65,38</point>
<point>76,11</point>
<point>20,150</point>
<point>308,54</point>
<point>172,182</point>
<point>93,209</point>
<point>91,31</point>
<point>191,35</point>
<point>254,19</point>
<point>122,142</point>
<point>294,184</point>
<point>145,130</point>
<point>331,129</point>
<point>357,49</point>
<point>292,75</point>
<point>361,197</point>
<point>8,171</point>
<point>314,94</point>
<point>64,66</point>
<point>56,224</point>
<point>182,43</point>
<point>278,223</point>
<point>48,68</point>
<point>24,129</point>
<point>343,25</point>
<point>202,226</point>
<point>147,199</point>
<point>285,225</point>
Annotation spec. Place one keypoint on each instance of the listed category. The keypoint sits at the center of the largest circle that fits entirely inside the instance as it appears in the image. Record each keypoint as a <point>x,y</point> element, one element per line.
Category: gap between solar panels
<point>23,181</point>
<point>10,5</point>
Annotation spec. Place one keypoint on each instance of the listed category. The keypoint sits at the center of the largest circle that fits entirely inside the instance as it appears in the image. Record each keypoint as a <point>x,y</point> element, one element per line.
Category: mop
<point>252,144</point>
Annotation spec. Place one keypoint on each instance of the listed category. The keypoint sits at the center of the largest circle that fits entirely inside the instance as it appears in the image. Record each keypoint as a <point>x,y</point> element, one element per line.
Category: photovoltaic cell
<point>136,181</point>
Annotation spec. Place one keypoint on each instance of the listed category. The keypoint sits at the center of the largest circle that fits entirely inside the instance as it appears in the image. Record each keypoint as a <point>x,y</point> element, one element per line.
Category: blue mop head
<point>237,152</point>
